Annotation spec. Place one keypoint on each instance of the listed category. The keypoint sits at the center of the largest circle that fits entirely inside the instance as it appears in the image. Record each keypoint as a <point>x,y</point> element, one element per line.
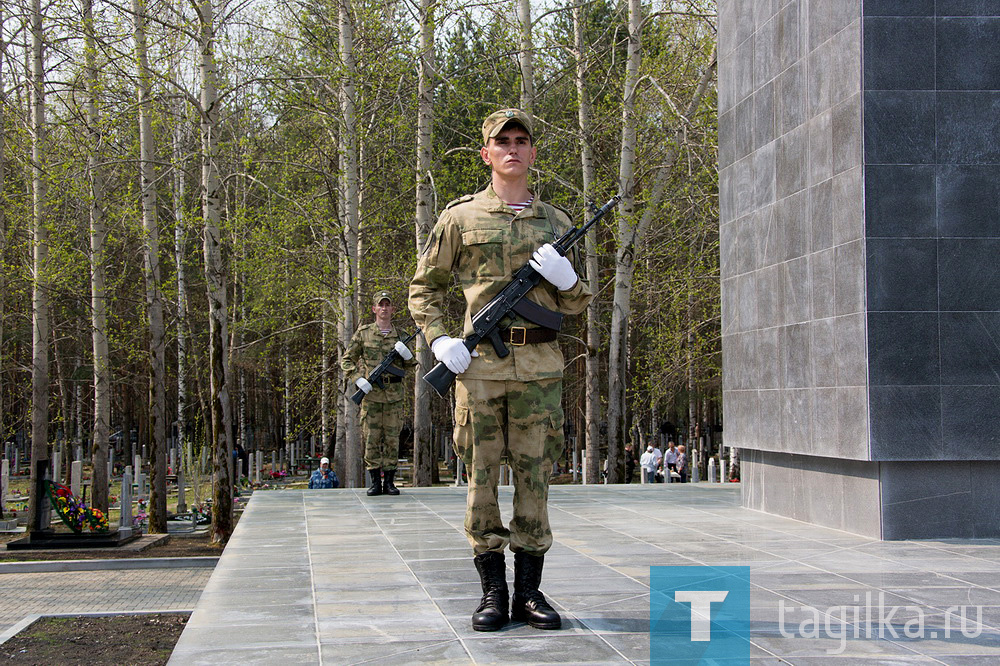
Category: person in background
<point>647,461</point>
<point>630,462</point>
<point>682,463</point>
<point>324,477</point>
<point>670,461</point>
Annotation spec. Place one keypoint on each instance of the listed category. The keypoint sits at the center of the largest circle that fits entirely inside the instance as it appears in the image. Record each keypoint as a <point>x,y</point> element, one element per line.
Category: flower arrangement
<point>74,513</point>
<point>140,517</point>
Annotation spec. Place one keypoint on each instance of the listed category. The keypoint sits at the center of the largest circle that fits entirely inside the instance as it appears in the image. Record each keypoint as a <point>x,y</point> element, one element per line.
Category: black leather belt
<point>393,379</point>
<point>518,335</point>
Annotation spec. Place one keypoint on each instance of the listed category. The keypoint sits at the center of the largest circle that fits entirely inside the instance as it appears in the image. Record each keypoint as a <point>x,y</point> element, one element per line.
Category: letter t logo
<point>701,610</point>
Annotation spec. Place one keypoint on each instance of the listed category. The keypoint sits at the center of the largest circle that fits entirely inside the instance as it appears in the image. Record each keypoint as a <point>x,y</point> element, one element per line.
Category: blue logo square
<point>698,614</point>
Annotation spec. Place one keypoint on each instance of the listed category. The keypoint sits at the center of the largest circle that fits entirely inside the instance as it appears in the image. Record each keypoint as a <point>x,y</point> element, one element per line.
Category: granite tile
<point>903,348</point>
<point>906,423</point>
<point>902,274</point>
<point>899,53</point>
<point>968,200</point>
<point>900,127</point>
<point>963,41</point>
<point>968,127</point>
<point>971,422</point>
<point>970,348</point>
<point>900,201</point>
<point>969,273</point>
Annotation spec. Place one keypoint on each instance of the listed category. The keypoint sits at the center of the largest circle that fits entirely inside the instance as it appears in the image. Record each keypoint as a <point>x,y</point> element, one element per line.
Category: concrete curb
<point>49,566</point>
<point>28,620</point>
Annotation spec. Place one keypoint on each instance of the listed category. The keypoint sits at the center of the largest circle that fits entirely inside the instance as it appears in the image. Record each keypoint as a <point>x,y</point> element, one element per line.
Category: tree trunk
<point>180,240</point>
<point>527,58</point>
<point>423,448</point>
<point>151,273</point>
<point>592,428</point>
<point>624,257</point>
<point>98,297</point>
<point>350,193</point>
<point>40,250</point>
<point>215,280</point>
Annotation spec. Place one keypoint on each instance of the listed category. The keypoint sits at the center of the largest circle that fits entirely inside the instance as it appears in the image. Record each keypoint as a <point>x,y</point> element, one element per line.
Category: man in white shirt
<point>647,462</point>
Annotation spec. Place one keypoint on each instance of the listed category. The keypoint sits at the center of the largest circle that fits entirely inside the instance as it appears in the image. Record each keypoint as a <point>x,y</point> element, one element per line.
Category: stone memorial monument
<point>859,193</point>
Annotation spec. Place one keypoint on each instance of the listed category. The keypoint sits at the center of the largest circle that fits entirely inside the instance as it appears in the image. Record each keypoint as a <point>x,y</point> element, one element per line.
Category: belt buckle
<point>523,333</point>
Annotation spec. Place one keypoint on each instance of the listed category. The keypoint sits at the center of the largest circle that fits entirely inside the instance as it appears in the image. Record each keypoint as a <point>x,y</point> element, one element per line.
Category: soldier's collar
<point>497,205</point>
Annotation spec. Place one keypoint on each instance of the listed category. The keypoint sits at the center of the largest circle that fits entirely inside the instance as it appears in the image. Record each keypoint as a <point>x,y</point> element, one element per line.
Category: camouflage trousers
<point>381,423</point>
<point>519,423</point>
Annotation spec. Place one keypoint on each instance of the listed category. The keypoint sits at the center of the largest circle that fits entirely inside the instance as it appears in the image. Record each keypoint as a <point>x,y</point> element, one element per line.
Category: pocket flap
<point>480,236</point>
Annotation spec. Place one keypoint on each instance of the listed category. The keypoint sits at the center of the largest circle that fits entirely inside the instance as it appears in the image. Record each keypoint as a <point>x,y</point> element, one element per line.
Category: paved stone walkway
<point>335,577</point>
<point>52,593</point>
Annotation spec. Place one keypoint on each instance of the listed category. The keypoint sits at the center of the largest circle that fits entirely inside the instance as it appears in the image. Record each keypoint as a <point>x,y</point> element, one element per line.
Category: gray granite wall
<point>792,233</point>
<point>859,167</point>
<point>932,188</point>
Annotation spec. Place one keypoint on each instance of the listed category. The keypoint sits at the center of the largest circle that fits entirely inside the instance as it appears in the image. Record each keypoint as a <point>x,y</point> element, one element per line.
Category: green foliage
<point>280,75</point>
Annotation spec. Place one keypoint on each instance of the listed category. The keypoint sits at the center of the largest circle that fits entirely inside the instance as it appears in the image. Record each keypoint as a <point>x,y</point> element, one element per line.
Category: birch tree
<point>423,447</point>
<point>349,199</point>
<point>98,288</point>
<point>215,279</point>
<point>592,417</point>
<point>40,260</point>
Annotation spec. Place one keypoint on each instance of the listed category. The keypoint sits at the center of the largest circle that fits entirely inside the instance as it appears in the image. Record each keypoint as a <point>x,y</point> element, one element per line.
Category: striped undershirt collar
<point>518,207</point>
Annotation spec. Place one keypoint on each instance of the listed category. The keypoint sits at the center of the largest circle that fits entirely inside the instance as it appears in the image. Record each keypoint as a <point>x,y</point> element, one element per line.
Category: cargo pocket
<point>463,435</point>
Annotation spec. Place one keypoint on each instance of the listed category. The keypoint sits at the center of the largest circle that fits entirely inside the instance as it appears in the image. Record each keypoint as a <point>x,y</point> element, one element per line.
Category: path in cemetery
<point>107,589</point>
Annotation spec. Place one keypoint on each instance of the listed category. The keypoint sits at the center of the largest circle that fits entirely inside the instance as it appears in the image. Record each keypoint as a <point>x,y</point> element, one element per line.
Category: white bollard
<point>722,471</point>
<point>576,473</point>
<point>694,467</point>
<point>711,470</point>
<point>459,470</point>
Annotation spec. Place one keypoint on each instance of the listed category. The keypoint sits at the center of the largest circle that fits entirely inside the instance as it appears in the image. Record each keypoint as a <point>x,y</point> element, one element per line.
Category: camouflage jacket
<point>484,242</point>
<point>366,350</point>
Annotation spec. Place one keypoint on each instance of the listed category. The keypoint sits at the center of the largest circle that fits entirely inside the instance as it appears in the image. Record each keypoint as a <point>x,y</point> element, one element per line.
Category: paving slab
<point>337,577</point>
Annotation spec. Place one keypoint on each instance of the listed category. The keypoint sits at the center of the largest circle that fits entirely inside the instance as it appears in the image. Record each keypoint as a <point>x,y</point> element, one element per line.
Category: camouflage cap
<point>381,296</point>
<point>496,121</point>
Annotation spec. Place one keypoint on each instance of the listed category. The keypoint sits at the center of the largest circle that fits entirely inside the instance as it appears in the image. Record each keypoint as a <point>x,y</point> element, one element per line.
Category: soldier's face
<point>510,153</point>
<point>384,310</point>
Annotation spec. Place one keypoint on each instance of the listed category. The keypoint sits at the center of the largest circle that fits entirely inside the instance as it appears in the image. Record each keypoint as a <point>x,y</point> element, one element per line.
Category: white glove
<point>453,353</point>
<point>554,267</point>
<point>403,351</point>
<point>364,385</point>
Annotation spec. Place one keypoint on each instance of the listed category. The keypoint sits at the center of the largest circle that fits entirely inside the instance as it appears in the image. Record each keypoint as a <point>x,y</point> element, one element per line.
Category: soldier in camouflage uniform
<point>381,410</point>
<point>510,408</point>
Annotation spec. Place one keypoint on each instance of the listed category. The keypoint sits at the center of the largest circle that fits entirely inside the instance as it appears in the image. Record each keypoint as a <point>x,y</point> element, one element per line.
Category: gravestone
<point>17,462</point>
<point>140,486</point>
<point>57,465</point>
<point>258,459</point>
<point>79,453</point>
<point>125,520</point>
<point>172,462</point>
<point>76,477</point>
<point>181,500</point>
<point>4,483</point>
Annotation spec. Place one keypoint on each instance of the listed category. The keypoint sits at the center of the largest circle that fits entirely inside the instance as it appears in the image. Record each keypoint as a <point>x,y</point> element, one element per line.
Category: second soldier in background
<point>382,409</point>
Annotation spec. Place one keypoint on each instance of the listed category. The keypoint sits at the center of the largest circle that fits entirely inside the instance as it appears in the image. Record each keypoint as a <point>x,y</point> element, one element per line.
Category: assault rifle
<point>400,351</point>
<point>489,322</point>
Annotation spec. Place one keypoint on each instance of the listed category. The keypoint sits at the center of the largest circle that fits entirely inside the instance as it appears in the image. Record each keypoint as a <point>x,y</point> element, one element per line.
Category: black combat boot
<point>387,485</point>
<point>492,612</point>
<point>376,475</point>
<point>528,604</point>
